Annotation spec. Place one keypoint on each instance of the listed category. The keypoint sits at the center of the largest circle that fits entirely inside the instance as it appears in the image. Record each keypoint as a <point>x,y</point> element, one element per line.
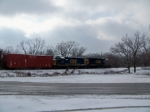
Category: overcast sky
<point>94,24</point>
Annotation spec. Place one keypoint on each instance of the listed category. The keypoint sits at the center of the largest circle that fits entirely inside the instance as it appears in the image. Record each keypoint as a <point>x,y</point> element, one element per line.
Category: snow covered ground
<point>89,103</point>
<point>79,76</point>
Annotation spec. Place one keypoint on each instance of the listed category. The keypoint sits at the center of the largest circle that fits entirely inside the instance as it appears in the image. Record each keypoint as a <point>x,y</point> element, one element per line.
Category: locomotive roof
<point>59,57</point>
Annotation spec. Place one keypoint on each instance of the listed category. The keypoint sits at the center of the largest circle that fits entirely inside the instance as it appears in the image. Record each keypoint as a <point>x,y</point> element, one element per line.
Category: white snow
<point>80,76</point>
<point>95,103</point>
<point>53,103</point>
<point>123,78</point>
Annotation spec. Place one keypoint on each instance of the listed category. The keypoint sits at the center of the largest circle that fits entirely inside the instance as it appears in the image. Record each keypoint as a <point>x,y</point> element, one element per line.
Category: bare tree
<point>146,47</point>
<point>123,50</point>
<point>135,44</point>
<point>22,46</point>
<point>69,48</point>
<point>50,51</point>
<point>77,52</point>
<point>32,46</point>
<point>143,59</point>
<point>61,49</point>
<point>9,49</point>
<point>130,48</point>
<point>81,51</point>
<point>113,60</point>
<point>74,52</point>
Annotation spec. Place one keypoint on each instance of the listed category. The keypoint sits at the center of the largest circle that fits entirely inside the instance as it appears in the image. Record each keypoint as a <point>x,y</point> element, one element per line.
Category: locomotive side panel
<point>69,62</point>
<point>95,62</point>
<point>77,62</point>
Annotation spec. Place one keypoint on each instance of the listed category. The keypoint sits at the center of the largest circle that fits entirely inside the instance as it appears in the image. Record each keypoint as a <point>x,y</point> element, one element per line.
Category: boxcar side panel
<point>21,61</point>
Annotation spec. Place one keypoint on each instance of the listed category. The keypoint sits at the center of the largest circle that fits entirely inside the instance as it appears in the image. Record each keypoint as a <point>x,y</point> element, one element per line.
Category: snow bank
<point>59,72</point>
<point>79,76</point>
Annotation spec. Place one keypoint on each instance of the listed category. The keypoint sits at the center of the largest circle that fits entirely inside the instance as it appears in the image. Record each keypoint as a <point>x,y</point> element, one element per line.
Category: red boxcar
<point>22,61</point>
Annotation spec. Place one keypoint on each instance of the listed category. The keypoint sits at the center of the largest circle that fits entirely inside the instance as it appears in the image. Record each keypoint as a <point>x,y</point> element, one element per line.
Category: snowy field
<point>88,103</point>
<point>112,75</point>
<point>77,103</point>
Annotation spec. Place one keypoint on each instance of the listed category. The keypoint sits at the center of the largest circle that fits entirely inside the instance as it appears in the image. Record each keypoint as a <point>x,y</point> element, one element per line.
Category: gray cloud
<point>85,35</point>
<point>94,9</point>
<point>13,7</point>
<point>11,37</point>
<point>107,19</point>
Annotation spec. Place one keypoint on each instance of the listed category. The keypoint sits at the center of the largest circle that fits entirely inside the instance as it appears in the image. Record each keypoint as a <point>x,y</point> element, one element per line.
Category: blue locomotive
<point>64,62</point>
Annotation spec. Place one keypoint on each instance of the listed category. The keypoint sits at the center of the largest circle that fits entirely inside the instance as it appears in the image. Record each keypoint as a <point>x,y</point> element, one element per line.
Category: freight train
<point>25,61</point>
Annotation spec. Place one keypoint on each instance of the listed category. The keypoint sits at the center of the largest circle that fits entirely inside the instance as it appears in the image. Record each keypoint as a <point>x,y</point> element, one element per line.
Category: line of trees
<point>130,51</point>
<point>37,46</point>
<point>130,48</point>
